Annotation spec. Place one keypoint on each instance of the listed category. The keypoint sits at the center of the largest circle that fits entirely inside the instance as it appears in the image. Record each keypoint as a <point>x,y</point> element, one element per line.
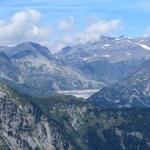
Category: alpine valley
<point>39,111</point>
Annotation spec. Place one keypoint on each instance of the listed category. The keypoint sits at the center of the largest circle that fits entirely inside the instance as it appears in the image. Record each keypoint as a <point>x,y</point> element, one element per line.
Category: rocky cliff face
<point>24,126</point>
<point>64,122</point>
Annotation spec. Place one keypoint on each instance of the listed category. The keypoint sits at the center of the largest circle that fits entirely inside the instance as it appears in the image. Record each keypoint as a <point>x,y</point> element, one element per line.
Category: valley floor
<point>79,93</point>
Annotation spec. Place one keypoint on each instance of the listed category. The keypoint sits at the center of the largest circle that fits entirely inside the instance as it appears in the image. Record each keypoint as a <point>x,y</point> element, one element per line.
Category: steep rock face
<point>24,126</point>
<point>66,123</point>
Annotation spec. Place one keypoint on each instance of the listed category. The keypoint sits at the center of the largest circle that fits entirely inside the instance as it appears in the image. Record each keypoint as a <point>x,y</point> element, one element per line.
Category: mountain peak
<point>30,43</point>
<point>3,56</point>
<point>29,49</point>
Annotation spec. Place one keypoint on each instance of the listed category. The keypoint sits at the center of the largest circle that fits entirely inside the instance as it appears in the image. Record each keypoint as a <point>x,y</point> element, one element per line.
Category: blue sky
<point>67,20</point>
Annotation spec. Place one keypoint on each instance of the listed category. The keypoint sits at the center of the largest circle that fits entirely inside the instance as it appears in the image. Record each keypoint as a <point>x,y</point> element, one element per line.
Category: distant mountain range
<point>32,69</point>
<point>109,48</point>
<point>108,59</point>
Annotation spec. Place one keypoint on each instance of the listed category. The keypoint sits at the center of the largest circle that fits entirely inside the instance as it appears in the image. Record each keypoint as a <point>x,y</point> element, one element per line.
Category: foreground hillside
<point>65,122</point>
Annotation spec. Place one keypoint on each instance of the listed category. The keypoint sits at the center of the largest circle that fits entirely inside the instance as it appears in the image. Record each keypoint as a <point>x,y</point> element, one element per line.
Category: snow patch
<point>79,93</point>
<point>144,46</point>
<point>106,56</point>
<point>128,54</point>
<point>107,45</point>
<point>2,94</point>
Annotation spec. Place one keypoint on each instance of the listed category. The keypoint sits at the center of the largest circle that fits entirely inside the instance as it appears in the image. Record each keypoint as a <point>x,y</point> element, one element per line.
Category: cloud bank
<point>98,28</point>
<point>26,26</point>
<point>23,26</point>
<point>91,33</point>
<point>66,25</point>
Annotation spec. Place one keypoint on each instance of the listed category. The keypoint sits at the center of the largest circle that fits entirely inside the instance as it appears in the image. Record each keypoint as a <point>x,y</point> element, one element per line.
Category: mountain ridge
<point>132,91</point>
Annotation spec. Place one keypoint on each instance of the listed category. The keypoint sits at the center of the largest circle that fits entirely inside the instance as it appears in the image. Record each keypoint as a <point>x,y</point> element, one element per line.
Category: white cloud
<point>66,25</point>
<point>103,26</point>
<point>23,26</point>
<point>98,28</point>
<point>91,33</point>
